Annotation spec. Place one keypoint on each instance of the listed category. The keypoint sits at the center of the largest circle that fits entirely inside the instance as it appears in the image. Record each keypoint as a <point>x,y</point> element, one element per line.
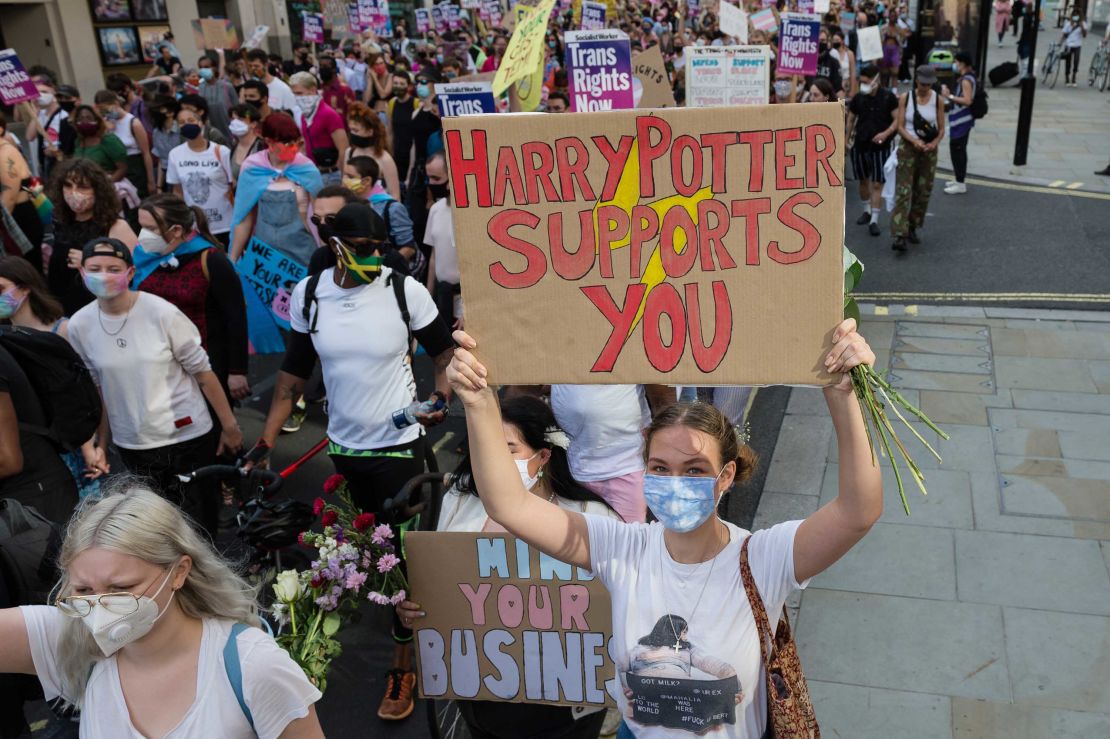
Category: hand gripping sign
<point>673,246</point>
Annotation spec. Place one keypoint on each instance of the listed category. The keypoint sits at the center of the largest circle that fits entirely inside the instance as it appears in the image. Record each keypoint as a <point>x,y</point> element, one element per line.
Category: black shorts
<point>868,164</point>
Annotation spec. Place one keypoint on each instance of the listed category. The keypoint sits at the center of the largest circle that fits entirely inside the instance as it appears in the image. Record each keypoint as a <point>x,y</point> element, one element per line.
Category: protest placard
<point>734,22</point>
<point>271,277</point>
<point>366,14</point>
<point>335,16</point>
<point>423,20</point>
<point>454,20</point>
<point>354,19</point>
<point>847,20</point>
<point>439,19</point>
<point>806,7</point>
<point>820,7</point>
<point>658,266</point>
<point>472,4</point>
<point>380,20</point>
<point>465,98</point>
<point>313,28</point>
<point>764,20</point>
<point>525,51</point>
<point>593,16</point>
<point>599,70</point>
<point>798,45</point>
<point>506,623</point>
<point>870,44</point>
<point>493,11</point>
<point>256,37</point>
<point>215,33</point>
<point>651,85</point>
<point>727,75</point>
<point>15,84</point>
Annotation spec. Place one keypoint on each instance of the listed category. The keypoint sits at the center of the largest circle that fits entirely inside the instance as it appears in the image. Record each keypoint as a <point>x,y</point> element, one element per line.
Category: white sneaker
<point>956,188</point>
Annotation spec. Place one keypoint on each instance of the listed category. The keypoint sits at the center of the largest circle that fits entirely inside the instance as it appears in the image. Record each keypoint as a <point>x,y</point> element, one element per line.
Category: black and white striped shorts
<point>868,165</point>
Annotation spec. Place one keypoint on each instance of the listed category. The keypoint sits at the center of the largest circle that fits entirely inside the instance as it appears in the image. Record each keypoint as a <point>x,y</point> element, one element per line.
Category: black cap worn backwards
<point>359,221</point>
<point>106,247</point>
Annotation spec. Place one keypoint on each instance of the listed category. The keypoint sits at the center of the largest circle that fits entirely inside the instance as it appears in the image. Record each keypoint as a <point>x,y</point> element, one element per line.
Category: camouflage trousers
<point>912,188</point>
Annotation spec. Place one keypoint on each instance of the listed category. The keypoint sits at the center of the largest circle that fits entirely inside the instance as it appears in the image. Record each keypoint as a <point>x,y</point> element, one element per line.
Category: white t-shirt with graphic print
<point>205,178</point>
<point>653,596</point>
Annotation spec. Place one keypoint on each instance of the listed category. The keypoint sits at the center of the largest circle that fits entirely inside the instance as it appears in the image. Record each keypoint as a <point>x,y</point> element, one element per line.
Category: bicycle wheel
<point>1105,75</point>
<point>1046,67</point>
<point>445,721</point>
<point>1055,73</point>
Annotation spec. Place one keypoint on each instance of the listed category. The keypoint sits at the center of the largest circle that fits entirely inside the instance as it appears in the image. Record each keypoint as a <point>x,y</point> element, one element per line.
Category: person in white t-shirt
<point>200,173</point>
<point>351,318</point>
<point>146,357</point>
<point>1075,30</point>
<point>152,633</point>
<point>281,95</point>
<point>678,581</point>
<point>439,233</point>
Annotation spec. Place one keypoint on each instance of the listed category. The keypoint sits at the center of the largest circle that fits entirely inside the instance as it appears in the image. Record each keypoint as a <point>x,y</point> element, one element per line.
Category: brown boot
<point>397,703</point>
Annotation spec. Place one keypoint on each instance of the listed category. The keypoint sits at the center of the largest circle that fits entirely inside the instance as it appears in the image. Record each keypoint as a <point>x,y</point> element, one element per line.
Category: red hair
<point>280,127</point>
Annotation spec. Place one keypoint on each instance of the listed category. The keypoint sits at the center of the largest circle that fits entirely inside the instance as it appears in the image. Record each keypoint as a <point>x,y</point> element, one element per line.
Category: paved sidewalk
<point>1070,136</point>
<point>985,613</point>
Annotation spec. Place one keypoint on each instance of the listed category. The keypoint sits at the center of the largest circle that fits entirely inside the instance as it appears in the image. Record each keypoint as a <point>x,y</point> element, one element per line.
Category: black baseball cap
<point>359,221</point>
<point>106,247</point>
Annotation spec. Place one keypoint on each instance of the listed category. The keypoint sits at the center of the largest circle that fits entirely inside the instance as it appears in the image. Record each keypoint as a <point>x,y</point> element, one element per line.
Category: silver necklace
<point>100,319</point>
<point>708,577</point>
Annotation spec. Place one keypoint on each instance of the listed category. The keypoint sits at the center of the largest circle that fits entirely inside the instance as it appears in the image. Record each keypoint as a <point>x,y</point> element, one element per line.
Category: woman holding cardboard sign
<point>690,564</point>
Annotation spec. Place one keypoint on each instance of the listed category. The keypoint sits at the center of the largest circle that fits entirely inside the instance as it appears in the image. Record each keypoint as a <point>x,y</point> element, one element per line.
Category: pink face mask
<point>106,285</point>
<point>78,202</point>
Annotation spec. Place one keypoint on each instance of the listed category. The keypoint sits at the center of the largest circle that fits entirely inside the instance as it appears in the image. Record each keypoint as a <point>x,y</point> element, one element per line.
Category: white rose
<point>288,588</point>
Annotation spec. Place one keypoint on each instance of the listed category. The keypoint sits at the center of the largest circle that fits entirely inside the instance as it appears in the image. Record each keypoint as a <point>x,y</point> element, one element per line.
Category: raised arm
<point>560,533</point>
<point>828,534</point>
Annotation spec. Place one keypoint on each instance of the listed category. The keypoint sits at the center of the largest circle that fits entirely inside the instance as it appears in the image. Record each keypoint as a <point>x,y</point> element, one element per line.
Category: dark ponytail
<point>168,210</point>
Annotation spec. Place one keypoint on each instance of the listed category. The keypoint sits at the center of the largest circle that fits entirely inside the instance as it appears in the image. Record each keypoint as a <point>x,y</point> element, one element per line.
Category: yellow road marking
<point>1056,183</point>
<point>1074,186</point>
<point>911,297</point>
<point>881,310</point>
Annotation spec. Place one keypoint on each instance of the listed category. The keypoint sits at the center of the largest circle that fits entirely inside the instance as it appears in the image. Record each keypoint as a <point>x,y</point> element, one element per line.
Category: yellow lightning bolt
<point>628,195</point>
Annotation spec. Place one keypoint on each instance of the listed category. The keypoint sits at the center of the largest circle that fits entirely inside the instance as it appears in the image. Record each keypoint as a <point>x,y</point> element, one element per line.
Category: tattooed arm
<point>300,359</point>
<point>9,178</point>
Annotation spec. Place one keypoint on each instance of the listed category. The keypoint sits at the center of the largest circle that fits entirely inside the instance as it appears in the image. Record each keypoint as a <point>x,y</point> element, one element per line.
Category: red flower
<point>300,538</point>
<point>318,506</point>
<point>317,581</point>
<point>333,482</point>
<point>330,517</point>
<point>364,521</point>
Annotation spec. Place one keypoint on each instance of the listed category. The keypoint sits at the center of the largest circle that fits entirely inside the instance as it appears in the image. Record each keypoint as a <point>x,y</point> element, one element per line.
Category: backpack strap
<point>309,299</point>
<point>234,670</point>
<point>397,280</point>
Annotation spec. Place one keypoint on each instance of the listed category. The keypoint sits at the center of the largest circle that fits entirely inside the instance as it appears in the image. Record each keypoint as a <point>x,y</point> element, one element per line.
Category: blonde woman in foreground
<point>142,622</point>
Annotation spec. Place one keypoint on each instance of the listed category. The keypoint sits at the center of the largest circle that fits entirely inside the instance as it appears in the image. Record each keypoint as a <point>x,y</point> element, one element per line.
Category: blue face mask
<point>205,73</point>
<point>681,502</point>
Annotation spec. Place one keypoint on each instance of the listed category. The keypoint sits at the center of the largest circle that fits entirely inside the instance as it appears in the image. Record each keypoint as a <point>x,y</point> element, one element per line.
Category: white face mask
<point>238,128</point>
<point>45,99</point>
<point>112,632</point>
<point>152,242</point>
<point>522,467</point>
<point>866,88</point>
<point>307,103</point>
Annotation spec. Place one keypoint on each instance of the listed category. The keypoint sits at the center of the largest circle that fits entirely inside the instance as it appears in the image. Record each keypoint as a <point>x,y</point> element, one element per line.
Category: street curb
<point>971,311</point>
<point>973,179</point>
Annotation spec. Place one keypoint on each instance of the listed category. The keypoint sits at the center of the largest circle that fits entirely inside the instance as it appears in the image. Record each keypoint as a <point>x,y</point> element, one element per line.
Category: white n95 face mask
<point>522,467</point>
<point>113,629</point>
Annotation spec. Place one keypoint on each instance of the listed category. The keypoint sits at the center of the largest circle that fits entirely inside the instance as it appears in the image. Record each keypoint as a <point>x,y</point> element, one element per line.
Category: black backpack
<point>979,104</point>
<point>62,383</point>
<point>396,280</point>
<point>29,546</point>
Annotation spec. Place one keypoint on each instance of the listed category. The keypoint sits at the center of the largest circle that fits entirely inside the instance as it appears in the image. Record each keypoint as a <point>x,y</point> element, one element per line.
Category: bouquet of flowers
<point>872,389</point>
<point>356,559</point>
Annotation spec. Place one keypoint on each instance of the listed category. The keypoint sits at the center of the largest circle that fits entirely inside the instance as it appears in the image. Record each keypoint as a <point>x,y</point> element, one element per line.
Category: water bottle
<point>407,415</point>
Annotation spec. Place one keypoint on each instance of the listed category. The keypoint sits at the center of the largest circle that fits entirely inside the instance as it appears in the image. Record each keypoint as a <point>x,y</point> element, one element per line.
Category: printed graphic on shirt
<point>674,683</point>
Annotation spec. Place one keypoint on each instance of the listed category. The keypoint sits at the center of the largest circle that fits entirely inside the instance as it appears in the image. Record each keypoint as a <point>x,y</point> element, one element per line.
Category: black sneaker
<point>912,236</point>
<point>863,219</point>
<point>874,229</point>
<point>899,244</point>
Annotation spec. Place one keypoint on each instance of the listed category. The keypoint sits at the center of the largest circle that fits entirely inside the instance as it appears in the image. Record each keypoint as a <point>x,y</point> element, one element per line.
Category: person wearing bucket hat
<point>921,126</point>
<point>359,319</point>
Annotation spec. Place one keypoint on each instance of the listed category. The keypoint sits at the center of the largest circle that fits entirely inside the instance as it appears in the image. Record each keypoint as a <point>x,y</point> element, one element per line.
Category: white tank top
<point>928,110</point>
<point>124,133</point>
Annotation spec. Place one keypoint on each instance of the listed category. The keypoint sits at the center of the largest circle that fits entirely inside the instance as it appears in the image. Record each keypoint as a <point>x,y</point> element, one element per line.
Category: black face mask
<point>362,142</point>
<point>67,105</point>
<point>439,190</point>
<point>822,47</point>
<point>327,75</point>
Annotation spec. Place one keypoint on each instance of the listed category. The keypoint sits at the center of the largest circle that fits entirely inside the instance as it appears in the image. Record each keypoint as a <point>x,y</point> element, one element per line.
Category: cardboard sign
<point>870,44</point>
<point>727,75</point>
<point>593,16</point>
<point>681,704</point>
<point>525,50</point>
<point>599,70</point>
<point>734,22</point>
<point>314,28</point>
<point>651,85</point>
<point>465,98</point>
<point>506,623</point>
<point>671,244</point>
<point>423,20</point>
<point>256,37</point>
<point>798,45</point>
<point>15,84</point>
<point>215,33</point>
<point>272,276</point>
<point>764,20</point>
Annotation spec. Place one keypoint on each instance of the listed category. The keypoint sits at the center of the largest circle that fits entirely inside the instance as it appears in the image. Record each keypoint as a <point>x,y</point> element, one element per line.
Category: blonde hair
<point>303,79</point>
<point>129,518</point>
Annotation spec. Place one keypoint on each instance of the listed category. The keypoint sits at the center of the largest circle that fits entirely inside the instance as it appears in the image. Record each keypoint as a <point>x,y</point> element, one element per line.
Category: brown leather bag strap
<point>756,602</point>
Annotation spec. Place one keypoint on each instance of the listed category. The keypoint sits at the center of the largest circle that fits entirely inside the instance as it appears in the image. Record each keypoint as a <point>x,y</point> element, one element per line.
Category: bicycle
<point>1050,68</point>
<point>1100,67</point>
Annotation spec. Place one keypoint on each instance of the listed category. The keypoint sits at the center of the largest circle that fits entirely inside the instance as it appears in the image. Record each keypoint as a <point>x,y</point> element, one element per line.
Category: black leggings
<point>958,149</point>
<point>372,479</point>
<point>1071,56</point>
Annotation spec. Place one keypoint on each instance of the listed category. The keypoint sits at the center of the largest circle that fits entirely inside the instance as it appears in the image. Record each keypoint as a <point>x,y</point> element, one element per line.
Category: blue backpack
<point>234,667</point>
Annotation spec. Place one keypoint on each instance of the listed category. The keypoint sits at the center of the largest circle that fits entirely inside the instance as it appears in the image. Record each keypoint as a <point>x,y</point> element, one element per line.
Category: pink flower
<point>333,482</point>
<point>363,521</point>
<point>375,597</point>
<point>397,598</point>
<point>329,518</point>
<point>382,534</point>
<point>387,562</point>
<point>300,538</point>
<point>355,580</point>
<point>318,506</point>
